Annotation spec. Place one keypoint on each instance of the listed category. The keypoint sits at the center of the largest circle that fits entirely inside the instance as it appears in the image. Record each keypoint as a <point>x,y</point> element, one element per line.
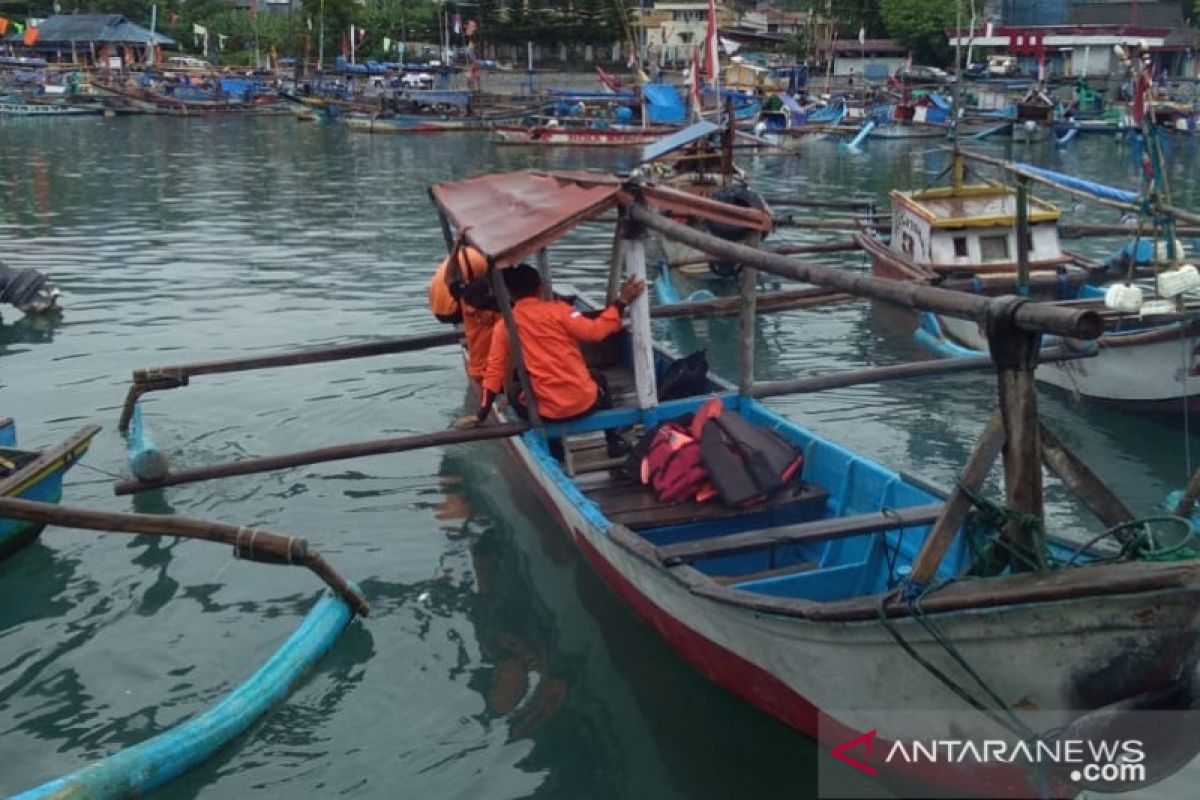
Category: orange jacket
<point>550,332</point>
<point>477,326</point>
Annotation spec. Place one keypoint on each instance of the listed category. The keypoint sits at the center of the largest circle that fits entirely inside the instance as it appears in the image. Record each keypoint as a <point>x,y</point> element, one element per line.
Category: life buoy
<point>734,196</point>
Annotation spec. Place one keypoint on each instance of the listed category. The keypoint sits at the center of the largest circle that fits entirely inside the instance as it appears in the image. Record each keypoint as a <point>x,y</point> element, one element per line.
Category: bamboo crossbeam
<point>1014,169</point>
<point>253,544</point>
<point>785,300</point>
<point>801,202</point>
<point>374,447</point>
<point>1034,317</point>
<point>913,369</point>
<point>171,377</point>
<point>1079,478</point>
<point>1080,231</point>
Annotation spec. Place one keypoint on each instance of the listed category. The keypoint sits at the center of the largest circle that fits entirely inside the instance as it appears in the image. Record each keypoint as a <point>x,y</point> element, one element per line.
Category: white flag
<point>862,35</point>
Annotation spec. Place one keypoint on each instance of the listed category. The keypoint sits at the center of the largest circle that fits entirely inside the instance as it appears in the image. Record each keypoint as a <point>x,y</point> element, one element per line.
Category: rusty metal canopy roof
<point>511,216</point>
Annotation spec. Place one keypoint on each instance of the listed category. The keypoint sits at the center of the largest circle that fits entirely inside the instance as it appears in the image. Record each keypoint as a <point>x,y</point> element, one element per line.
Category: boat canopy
<point>679,139</point>
<point>511,216</point>
<point>1079,184</point>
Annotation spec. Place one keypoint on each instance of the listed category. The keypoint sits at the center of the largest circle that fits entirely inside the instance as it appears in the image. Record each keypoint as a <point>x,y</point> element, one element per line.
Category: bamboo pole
<point>253,544</point>
<point>912,369</point>
<point>1013,168</point>
<point>1036,317</point>
<point>543,267</point>
<point>299,458</point>
<point>958,504</point>
<point>1080,479</point>
<point>616,258</point>
<point>171,377</point>
<point>767,302</point>
<point>746,329</point>
<point>1081,231</point>
<point>1023,235</point>
<point>805,203</point>
<point>514,342</point>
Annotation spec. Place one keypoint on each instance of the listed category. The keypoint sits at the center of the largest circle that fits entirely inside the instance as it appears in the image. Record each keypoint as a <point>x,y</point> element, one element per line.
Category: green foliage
<point>921,25</point>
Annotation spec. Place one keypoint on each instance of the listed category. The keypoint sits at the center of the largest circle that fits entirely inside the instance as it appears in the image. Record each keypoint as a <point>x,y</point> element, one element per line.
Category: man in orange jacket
<point>448,303</point>
<point>550,332</point>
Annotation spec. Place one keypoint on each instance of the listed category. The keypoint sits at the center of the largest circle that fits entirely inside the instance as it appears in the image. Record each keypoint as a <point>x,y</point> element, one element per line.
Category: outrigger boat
<point>565,133</point>
<point>840,605</point>
<point>34,475</point>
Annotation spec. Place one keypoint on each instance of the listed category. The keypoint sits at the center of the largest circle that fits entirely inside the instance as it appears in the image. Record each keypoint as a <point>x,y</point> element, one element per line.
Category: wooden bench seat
<point>636,507</point>
<point>806,532</point>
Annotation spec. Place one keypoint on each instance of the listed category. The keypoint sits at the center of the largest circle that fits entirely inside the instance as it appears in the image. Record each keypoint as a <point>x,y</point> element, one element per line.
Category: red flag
<point>3,25</point>
<point>1138,109</point>
<point>711,54</point>
<point>31,36</point>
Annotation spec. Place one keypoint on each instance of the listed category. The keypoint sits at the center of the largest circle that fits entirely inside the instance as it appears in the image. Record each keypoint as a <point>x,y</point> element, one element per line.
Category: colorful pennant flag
<point>31,36</point>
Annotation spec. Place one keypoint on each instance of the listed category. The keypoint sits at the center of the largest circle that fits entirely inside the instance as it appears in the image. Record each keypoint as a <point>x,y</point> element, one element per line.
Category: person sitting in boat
<point>460,293</point>
<point>550,332</point>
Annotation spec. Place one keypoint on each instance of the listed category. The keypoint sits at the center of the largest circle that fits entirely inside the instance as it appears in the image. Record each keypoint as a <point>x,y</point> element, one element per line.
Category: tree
<point>920,25</point>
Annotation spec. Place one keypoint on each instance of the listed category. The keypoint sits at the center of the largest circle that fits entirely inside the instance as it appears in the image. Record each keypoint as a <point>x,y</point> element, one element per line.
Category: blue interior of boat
<point>844,484</point>
<point>8,433</point>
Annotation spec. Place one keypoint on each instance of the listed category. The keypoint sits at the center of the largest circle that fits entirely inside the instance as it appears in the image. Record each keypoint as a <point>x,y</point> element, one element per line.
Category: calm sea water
<point>495,664</point>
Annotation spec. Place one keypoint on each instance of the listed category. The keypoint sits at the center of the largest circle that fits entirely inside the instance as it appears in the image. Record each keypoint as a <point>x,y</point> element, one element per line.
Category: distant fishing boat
<point>794,604</point>
<point>1035,117</point>
<point>409,123</point>
<point>554,133</point>
<point>22,108</point>
<point>34,475</point>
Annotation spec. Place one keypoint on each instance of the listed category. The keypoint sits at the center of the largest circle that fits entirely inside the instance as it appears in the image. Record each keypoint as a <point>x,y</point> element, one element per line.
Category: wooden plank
<point>806,532</point>
<point>955,510</point>
<point>642,510</point>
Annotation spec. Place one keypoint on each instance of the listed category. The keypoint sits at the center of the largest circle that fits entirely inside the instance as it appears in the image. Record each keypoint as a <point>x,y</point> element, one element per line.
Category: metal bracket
<point>1010,346</point>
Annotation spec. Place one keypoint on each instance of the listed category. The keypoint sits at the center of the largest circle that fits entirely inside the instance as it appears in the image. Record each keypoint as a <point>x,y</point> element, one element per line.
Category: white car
<point>417,80</point>
<point>187,62</point>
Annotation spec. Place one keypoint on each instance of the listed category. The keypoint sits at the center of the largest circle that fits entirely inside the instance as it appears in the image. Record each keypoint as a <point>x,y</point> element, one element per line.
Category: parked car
<point>918,75</point>
<point>187,62</point>
<point>1003,66</point>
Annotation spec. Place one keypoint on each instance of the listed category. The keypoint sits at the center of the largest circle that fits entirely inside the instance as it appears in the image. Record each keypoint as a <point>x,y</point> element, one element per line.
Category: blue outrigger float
<point>858,599</point>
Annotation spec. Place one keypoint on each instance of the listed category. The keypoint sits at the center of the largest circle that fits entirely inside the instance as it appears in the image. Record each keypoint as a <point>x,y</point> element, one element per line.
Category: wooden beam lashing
<point>1080,479</point>
<point>254,544</point>
<point>958,505</point>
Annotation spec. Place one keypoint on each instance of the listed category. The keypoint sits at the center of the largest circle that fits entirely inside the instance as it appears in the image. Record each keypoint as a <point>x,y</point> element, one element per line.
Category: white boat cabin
<point>972,228</point>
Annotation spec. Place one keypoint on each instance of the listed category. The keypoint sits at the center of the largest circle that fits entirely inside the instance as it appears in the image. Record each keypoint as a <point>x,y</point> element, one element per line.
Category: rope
<point>990,519</point>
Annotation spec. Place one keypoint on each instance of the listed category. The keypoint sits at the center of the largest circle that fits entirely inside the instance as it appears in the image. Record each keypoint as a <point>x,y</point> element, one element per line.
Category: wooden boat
<point>409,123</point>
<point>964,230</point>
<point>788,604</point>
<point>34,475</point>
<point>556,134</point>
<point>1035,117</point>
<point>21,108</point>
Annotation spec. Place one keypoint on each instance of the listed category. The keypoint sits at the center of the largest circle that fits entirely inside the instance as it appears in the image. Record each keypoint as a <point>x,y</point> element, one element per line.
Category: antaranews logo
<point>1092,764</point>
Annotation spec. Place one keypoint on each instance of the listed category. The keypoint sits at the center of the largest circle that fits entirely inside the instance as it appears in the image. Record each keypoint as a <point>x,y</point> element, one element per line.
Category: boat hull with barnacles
<point>796,605</point>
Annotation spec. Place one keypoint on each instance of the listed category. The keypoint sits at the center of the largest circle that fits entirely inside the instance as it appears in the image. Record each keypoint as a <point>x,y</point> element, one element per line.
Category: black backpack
<point>685,377</point>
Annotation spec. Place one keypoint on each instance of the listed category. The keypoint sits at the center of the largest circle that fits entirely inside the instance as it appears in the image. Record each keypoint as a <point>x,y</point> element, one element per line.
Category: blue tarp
<point>1079,184</point>
<point>794,109</point>
<point>663,104</point>
<point>679,139</point>
<point>939,101</point>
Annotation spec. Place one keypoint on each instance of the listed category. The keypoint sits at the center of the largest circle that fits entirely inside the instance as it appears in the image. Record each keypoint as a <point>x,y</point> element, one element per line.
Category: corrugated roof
<point>113,28</point>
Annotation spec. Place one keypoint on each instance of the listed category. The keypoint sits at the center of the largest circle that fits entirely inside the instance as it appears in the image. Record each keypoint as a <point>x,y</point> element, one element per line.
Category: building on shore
<point>871,59</point>
<point>107,41</point>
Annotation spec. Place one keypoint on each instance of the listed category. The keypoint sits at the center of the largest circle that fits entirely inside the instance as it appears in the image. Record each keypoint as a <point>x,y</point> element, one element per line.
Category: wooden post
<point>617,258</point>
<point>543,265</point>
<point>1015,352</point>
<point>727,137</point>
<point>973,474</point>
<point>1023,236</point>
<point>746,329</point>
<point>514,342</point>
<point>645,381</point>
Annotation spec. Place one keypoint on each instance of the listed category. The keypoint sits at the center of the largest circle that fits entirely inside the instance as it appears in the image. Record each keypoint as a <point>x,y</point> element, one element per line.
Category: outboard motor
<point>736,196</point>
<point>27,289</point>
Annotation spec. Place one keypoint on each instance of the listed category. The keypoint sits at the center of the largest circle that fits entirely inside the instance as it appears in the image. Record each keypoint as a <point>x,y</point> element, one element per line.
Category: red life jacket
<point>673,466</point>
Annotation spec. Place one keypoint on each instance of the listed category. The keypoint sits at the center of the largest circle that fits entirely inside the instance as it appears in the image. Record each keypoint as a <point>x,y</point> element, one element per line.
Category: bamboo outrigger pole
<point>253,544</point>
<point>374,447</point>
<point>172,377</point>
